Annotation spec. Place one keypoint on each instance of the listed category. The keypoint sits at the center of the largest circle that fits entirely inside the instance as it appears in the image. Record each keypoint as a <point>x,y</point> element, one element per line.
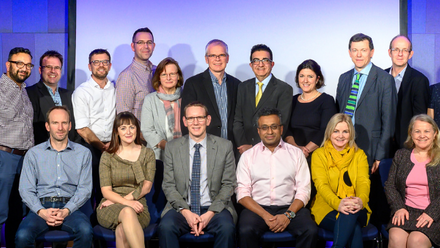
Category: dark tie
<point>195,181</point>
<point>351,103</point>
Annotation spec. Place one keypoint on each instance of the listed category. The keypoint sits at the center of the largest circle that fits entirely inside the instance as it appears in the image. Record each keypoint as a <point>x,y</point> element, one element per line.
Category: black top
<point>309,120</point>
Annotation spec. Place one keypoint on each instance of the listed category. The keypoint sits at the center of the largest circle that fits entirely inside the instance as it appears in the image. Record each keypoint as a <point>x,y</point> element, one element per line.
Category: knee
<point>167,225</point>
<point>418,240</point>
<point>85,230</point>
<point>312,230</point>
<point>227,228</point>
<point>246,230</point>
<point>24,237</point>
<point>127,212</point>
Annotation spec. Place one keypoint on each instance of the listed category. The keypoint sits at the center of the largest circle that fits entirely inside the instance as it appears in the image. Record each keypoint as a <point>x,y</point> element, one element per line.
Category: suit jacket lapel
<point>184,160</point>
<point>210,91</point>
<point>230,93</point>
<point>371,79</point>
<point>405,82</point>
<point>211,154</point>
<point>46,101</point>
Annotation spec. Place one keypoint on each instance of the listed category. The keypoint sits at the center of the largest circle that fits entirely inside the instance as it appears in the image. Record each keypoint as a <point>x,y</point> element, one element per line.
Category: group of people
<point>295,163</point>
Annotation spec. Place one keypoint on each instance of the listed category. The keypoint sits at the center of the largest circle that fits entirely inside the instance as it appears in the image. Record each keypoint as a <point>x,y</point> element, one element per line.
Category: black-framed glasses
<point>195,118</point>
<point>148,42</point>
<point>215,56</point>
<point>21,65</point>
<point>273,127</point>
<point>98,62</point>
<point>257,61</point>
<point>50,68</point>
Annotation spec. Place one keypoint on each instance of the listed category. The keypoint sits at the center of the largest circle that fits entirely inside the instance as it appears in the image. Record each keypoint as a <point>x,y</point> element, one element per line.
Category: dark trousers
<point>173,225</point>
<point>251,227</point>
<point>347,229</point>
<point>11,206</point>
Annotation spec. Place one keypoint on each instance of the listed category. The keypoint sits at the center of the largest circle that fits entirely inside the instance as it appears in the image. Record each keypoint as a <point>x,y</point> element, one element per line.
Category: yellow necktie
<point>259,94</point>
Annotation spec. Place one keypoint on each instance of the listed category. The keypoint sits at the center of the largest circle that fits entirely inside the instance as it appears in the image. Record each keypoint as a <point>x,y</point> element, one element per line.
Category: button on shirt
<point>16,114</point>
<point>398,79</point>
<point>273,178</point>
<point>221,97</point>
<point>362,80</point>
<point>205,200</point>
<point>48,172</point>
<point>133,84</point>
<point>95,108</point>
<point>55,97</point>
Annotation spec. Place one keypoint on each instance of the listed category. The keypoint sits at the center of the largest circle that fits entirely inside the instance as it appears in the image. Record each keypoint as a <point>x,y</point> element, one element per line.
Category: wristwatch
<point>289,214</point>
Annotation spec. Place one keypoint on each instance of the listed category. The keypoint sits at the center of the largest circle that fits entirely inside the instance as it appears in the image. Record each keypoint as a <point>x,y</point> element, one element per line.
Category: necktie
<point>195,181</point>
<point>351,103</point>
<point>259,94</point>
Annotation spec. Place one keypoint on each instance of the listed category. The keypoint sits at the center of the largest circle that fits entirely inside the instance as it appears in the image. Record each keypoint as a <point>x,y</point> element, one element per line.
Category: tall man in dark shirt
<point>16,136</point>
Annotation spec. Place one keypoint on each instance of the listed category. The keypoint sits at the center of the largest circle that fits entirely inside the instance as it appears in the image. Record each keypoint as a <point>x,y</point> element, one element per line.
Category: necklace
<point>302,97</point>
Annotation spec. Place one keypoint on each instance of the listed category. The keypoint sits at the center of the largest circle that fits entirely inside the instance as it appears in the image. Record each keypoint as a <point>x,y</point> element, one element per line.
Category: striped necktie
<point>259,94</point>
<point>352,99</point>
<point>195,181</point>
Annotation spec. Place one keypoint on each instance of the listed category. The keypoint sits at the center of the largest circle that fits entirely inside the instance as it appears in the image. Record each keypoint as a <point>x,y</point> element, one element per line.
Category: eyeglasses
<point>398,51</point>
<point>148,42</point>
<point>172,75</point>
<point>363,50</point>
<point>195,118</point>
<point>21,65</point>
<point>214,56</point>
<point>273,127</point>
<point>257,61</point>
<point>98,62</point>
<point>50,68</point>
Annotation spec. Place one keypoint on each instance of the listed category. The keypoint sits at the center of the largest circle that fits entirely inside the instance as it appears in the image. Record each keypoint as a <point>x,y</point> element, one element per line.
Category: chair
<point>273,238</point>
<point>155,201</point>
<point>369,232</point>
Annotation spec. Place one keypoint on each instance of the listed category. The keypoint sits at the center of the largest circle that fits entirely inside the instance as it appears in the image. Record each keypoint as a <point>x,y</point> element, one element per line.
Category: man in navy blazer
<point>375,107</point>
<point>46,94</point>
<point>215,89</point>
<point>412,87</point>
<point>274,94</point>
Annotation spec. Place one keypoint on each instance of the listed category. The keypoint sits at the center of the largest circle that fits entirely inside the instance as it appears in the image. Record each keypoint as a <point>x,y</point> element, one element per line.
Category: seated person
<point>340,174</point>
<point>413,187</point>
<point>126,174</point>
<point>55,182</point>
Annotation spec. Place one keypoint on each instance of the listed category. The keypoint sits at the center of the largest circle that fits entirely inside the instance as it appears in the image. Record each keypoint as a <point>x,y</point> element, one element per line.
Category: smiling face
<point>169,77</point>
<point>217,63</point>
<point>423,135</point>
<point>18,75</point>
<point>307,80</point>
<point>261,70</point>
<point>143,52</point>
<point>361,54</point>
<point>401,53</point>
<point>340,136</point>
<point>58,125</point>
<point>270,137</point>
<point>127,133</point>
<point>100,71</point>
<point>196,120</point>
<point>52,75</point>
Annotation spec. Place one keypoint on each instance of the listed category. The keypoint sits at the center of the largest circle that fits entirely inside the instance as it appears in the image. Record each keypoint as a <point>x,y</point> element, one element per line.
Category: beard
<point>99,75</point>
<point>14,75</point>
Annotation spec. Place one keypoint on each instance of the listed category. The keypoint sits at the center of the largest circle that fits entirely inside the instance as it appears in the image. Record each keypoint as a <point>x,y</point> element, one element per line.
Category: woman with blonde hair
<point>413,187</point>
<point>340,174</point>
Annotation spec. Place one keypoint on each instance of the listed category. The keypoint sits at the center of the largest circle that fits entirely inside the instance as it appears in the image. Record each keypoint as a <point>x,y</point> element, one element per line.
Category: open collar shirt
<point>55,96</point>
<point>398,79</point>
<point>221,97</point>
<point>273,178</point>
<point>16,114</point>
<point>48,172</point>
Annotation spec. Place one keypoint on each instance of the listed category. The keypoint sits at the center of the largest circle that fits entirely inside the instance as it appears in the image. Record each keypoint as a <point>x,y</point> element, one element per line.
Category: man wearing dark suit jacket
<point>46,94</point>
<point>412,87</point>
<point>199,179</point>
<point>375,107</point>
<point>263,90</point>
<point>215,89</point>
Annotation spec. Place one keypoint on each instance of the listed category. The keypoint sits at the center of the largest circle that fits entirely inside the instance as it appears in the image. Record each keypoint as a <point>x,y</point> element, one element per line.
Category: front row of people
<point>272,182</point>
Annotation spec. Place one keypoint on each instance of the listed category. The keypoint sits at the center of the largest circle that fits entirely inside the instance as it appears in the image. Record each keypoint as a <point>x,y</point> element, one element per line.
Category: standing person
<point>134,82</point>
<point>199,179</point>
<point>16,136</point>
<point>160,119</point>
<point>434,103</point>
<point>413,187</point>
<point>46,93</point>
<point>340,173</point>
<point>126,171</point>
<point>274,187</point>
<point>55,183</point>
<point>262,91</point>
<point>215,89</point>
<point>94,110</point>
<point>412,87</point>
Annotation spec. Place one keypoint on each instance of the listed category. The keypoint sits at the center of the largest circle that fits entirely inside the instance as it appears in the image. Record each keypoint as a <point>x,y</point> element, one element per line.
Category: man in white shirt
<point>94,107</point>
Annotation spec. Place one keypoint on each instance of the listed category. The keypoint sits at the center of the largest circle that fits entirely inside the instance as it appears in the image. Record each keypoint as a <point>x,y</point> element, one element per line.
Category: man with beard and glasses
<point>16,136</point>
<point>94,108</point>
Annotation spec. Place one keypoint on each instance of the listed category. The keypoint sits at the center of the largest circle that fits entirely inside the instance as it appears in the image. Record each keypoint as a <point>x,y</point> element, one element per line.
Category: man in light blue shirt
<point>55,182</point>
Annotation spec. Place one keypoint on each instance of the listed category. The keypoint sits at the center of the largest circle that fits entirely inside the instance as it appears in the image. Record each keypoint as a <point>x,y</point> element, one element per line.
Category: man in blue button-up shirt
<point>55,182</point>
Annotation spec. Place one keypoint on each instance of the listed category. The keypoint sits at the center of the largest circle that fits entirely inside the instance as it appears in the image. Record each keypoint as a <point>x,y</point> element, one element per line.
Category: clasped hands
<point>277,223</point>
<point>350,205</point>
<point>196,222</point>
<point>53,216</point>
<point>402,214</point>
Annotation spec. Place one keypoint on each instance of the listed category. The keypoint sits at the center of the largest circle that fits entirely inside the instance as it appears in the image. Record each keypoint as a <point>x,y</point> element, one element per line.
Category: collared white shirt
<point>205,200</point>
<point>265,83</point>
<point>95,108</point>
<point>399,77</point>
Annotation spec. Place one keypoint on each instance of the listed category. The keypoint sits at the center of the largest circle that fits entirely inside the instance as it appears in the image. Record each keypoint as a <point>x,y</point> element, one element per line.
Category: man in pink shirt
<point>274,186</point>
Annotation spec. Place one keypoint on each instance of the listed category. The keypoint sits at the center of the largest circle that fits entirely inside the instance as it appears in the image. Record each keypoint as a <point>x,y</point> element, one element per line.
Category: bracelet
<point>288,217</point>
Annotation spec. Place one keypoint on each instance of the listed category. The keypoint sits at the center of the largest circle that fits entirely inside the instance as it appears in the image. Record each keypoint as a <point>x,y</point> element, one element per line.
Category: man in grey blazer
<point>375,107</point>
<point>274,93</point>
<point>199,179</point>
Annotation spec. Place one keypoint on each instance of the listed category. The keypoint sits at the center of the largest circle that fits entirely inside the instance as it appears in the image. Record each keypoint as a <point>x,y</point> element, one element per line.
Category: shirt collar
<point>50,89</point>
<point>192,142</point>
<point>11,82</point>
<point>265,81</point>
<point>48,145</point>
<point>364,71</point>
<point>281,145</point>
<point>148,66</point>
<point>214,79</point>
<point>401,73</point>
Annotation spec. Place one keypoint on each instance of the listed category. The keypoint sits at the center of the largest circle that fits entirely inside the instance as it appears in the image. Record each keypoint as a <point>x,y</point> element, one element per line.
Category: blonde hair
<point>335,120</point>
<point>434,151</point>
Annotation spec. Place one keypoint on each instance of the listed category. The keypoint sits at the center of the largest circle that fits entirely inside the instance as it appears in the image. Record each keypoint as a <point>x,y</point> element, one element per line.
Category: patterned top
<point>16,113</point>
<point>55,96</point>
<point>133,84</point>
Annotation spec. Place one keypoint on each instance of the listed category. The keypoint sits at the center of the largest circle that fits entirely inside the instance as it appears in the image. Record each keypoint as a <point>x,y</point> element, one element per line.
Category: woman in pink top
<point>413,187</point>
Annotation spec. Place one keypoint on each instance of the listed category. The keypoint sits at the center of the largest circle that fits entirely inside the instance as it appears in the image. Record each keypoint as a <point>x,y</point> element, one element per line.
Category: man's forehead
<point>24,57</point>
<point>51,60</point>
<point>145,36</point>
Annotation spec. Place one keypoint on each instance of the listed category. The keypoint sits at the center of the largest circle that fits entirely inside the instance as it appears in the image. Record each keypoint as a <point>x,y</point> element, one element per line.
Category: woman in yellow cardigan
<point>340,174</point>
